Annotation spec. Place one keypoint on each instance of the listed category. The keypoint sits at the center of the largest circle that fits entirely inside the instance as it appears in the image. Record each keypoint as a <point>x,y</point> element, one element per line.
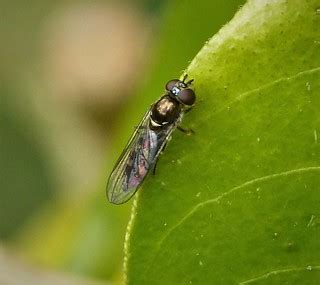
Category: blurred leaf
<point>15,272</point>
<point>21,23</point>
<point>83,236</point>
<point>238,201</point>
<point>25,178</point>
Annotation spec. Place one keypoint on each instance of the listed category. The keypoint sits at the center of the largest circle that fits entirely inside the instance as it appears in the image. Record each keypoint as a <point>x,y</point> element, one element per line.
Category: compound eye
<point>187,96</point>
<point>171,84</point>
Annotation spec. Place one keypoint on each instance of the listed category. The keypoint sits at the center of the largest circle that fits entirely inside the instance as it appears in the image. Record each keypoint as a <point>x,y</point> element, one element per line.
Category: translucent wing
<point>137,159</point>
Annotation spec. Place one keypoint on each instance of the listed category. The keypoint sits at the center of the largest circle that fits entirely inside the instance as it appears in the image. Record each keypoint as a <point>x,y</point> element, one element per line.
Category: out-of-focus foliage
<point>58,115</point>
<point>238,201</point>
<point>15,272</point>
<point>23,169</point>
<point>85,237</point>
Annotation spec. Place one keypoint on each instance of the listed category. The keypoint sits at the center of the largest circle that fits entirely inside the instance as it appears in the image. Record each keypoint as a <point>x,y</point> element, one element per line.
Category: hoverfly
<point>149,139</point>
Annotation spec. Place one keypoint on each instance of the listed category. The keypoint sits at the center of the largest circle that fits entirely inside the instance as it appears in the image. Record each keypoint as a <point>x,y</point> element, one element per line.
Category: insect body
<point>149,139</point>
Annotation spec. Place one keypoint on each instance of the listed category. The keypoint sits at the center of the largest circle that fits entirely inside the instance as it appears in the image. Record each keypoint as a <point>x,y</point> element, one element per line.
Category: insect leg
<point>156,162</point>
<point>139,127</point>
<point>185,78</point>
<point>154,167</point>
<point>187,110</point>
<point>186,131</point>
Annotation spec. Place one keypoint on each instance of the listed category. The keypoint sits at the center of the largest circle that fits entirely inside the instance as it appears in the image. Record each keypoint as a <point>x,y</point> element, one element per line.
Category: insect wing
<point>136,160</point>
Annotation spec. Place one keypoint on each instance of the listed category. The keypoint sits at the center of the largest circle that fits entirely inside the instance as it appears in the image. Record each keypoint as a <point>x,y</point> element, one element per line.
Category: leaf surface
<point>238,202</point>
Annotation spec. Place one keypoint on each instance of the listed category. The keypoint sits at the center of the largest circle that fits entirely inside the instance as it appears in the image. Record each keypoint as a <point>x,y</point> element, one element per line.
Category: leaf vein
<point>279,271</point>
<point>243,185</point>
<point>265,86</point>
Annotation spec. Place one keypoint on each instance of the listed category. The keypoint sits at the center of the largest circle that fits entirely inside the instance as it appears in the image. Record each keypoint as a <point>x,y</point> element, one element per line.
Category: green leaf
<point>238,202</point>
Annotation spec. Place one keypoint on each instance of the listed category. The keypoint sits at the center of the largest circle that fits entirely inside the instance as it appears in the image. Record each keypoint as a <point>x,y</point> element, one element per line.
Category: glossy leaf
<point>238,202</point>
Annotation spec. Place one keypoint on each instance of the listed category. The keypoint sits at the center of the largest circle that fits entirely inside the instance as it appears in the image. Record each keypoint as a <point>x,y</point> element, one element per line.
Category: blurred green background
<point>76,76</point>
